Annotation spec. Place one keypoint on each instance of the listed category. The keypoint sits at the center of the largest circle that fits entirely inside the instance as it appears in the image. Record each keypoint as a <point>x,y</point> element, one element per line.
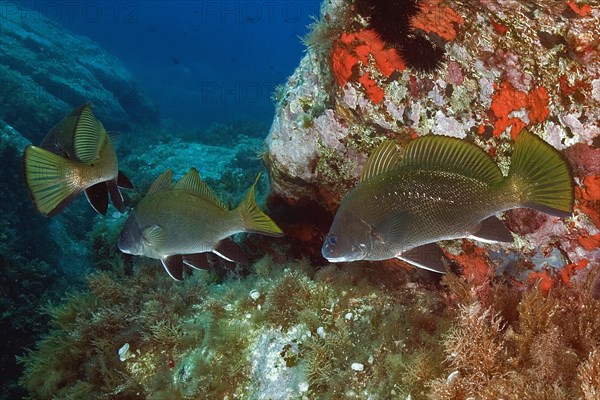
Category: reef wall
<point>45,71</point>
<point>483,71</point>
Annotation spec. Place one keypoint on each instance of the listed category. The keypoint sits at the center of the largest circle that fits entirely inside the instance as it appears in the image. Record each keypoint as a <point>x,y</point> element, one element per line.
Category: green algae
<point>286,328</point>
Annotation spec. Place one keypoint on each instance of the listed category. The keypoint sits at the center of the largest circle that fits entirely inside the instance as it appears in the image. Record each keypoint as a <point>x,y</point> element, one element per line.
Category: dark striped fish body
<point>441,188</point>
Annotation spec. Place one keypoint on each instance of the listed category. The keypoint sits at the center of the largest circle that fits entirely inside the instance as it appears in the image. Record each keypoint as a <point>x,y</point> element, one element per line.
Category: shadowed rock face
<point>45,71</point>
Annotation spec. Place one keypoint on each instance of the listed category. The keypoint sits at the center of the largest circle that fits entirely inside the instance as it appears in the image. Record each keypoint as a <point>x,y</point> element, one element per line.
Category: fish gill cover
<point>510,320</point>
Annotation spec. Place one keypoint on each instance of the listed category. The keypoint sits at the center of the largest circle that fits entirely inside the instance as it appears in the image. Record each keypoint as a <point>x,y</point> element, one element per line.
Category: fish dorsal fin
<point>192,183</point>
<point>154,235</point>
<point>163,182</point>
<point>384,158</point>
<point>89,135</point>
<point>445,153</point>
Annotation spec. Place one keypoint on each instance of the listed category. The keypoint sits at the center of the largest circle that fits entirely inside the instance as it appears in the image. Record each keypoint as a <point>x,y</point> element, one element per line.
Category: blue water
<point>200,61</point>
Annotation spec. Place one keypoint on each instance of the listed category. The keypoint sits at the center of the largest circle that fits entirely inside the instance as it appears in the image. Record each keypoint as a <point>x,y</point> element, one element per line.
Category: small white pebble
<point>254,294</point>
<point>348,316</point>
<point>123,352</point>
<point>259,307</point>
<point>228,307</point>
<point>370,360</point>
<point>321,332</point>
<point>453,375</point>
<point>303,387</point>
<point>358,367</point>
<point>248,316</point>
<point>409,397</point>
<point>116,215</point>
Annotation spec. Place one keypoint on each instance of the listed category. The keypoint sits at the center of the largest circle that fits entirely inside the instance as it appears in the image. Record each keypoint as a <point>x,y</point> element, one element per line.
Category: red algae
<point>359,47</point>
<point>498,27</point>
<point>374,92</point>
<point>439,19</point>
<point>589,242</point>
<point>474,262</point>
<point>508,99</point>
<point>542,279</point>
<point>588,195</point>
<point>581,10</point>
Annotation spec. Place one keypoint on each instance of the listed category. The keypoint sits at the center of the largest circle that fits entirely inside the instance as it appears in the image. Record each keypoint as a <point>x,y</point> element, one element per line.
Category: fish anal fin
<point>428,256</point>
<point>89,135</point>
<point>231,251</point>
<point>123,181</point>
<point>191,182</point>
<point>115,195</point>
<point>174,266</point>
<point>384,158</point>
<point>450,154</point>
<point>163,182</point>
<point>97,196</point>
<point>197,260</point>
<point>492,230</point>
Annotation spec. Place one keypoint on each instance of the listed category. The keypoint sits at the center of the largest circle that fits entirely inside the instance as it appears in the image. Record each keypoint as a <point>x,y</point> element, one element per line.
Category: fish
<point>179,223</point>
<point>443,188</point>
<point>76,155</point>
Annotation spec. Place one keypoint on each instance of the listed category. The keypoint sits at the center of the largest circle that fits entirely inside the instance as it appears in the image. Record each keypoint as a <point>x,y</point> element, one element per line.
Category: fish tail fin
<point>47,177</point>
<point>254,219</point>
<point>541,176</point>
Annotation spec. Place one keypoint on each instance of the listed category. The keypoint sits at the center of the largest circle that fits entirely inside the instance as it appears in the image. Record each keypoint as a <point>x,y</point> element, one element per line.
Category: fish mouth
<point>335,259</point>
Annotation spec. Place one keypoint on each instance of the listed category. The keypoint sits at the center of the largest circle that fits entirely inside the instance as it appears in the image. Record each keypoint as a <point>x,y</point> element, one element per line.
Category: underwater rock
<point>45,71</point>
<point>500,73</point>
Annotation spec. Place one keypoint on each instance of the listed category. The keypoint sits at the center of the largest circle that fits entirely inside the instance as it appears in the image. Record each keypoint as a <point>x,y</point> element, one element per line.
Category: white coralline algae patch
<point>275,370</point>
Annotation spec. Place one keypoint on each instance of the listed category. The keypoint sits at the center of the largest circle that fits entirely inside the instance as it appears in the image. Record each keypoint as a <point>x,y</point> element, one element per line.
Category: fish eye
<point>332,240</point>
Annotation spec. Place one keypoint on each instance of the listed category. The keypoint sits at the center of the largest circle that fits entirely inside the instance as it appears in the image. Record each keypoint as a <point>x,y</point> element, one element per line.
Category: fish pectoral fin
<point>492,230</point>
<point>231,251</point>
<point>154,235</point>
<point>97,196</point>
<point>197,260</point>
<point>123,181</point>
<point>174,266</point>
<point>428,256</point>
<point>394,228</point>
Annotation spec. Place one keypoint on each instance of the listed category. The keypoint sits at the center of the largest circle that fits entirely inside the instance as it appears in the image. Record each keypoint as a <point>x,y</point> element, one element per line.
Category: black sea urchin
<point>419,53</point>
<point>391,20</point>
